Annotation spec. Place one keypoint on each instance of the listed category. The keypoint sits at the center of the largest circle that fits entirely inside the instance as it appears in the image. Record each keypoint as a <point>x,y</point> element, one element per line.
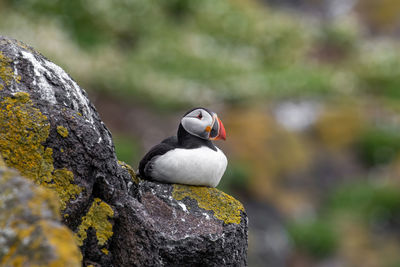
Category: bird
<point>190,157</point>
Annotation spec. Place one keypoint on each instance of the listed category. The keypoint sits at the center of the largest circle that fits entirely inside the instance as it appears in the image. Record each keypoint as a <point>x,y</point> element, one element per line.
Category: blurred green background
<point>308,90</point>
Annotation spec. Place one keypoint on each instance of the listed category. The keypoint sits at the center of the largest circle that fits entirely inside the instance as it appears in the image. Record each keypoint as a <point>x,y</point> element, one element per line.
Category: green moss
<point>61,130</point>
<point>225,207</point>
<point>97,218</point>
<point>23,129</point>
<point>6,72</point>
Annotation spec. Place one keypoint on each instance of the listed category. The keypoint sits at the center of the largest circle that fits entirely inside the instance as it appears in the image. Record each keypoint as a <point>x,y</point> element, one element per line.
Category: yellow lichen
<point>225,207</point>
<point>105,251</point>
<point>130,170</point>
<point>97,218</point>
<point>63,184</point>
<point>43,196</point>
<point>6,72</point>
<point>13,257</point>
<point>61,130</point>
<point>23,129</point>
<point>2,164</point>
<point>35,237</point>
<point>62,241</point>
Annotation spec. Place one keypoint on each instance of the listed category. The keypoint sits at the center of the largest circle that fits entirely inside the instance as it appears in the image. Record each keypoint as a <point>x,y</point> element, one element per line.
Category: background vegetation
<point>309,92</point>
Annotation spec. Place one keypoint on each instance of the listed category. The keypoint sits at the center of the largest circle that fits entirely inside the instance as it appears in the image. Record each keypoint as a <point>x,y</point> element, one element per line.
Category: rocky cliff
<point>51,133</point>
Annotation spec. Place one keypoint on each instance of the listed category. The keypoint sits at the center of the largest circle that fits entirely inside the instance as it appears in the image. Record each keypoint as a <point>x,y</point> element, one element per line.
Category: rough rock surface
<point>30,232</point>
<point>52,134</point>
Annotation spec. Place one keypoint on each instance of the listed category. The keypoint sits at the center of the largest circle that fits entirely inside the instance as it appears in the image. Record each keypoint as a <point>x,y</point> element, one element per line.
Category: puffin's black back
<point>158,150</point>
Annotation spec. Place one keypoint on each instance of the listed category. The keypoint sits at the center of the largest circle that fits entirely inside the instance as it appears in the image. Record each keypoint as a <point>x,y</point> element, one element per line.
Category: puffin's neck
<point>188,140</point>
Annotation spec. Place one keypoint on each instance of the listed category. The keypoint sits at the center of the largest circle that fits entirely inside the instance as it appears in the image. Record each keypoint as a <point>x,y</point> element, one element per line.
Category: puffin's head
<point>203,123</point>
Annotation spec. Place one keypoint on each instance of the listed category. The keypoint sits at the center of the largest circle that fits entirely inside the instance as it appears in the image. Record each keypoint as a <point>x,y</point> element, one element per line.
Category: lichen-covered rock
<point>30,230</point>
<point>179,225</point>
<point>52,134</point>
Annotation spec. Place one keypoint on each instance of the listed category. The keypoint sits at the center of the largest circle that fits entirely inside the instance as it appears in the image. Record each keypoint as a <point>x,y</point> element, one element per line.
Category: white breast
<point>199,166</point>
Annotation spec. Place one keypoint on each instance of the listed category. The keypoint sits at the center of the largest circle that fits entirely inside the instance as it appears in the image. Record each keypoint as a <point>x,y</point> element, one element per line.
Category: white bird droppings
<point>39,79</point>
<point>183,206</point>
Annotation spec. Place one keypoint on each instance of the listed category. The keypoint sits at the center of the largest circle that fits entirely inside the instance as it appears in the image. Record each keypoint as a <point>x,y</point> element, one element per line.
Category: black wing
<point>158,150</point>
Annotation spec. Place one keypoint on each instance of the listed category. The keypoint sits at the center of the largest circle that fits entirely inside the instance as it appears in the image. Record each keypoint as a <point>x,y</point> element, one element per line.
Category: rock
<point>187,226</point>
<point>52,134</point>
<point>30,232</point>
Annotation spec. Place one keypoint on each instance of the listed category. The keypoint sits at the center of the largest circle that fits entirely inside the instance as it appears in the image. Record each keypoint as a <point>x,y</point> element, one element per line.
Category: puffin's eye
<point>200,116</point>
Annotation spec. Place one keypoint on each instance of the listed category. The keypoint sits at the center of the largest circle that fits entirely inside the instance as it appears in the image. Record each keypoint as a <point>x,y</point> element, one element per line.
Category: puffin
<point>190,157</point>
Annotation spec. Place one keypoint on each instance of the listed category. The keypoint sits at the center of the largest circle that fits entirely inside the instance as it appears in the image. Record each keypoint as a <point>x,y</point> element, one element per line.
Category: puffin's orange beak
<point>219,129</point>
<point>222,133</point>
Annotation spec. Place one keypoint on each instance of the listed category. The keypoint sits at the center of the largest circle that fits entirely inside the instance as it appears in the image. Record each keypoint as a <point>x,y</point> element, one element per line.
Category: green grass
<point>367,201</point>
<point>127,149</point>
<point>315,238</point>
<point>379,145</point>
<point>236,176</point>
<point>363,202</point>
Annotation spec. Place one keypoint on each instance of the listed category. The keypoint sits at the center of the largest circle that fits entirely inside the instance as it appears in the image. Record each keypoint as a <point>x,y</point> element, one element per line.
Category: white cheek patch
<point>196,124</point>
<point>193,125</point>
<point>200,166</point>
